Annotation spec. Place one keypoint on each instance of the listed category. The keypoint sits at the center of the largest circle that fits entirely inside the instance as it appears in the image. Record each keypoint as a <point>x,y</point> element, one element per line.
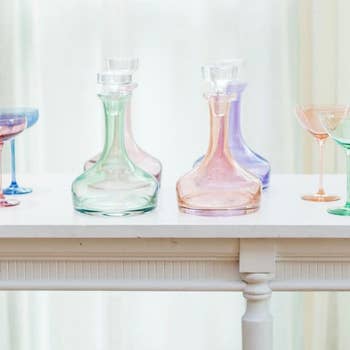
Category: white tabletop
<point>48,212</point>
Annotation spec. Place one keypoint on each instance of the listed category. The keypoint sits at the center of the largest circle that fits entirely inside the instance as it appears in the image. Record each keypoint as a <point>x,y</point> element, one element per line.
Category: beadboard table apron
<point>288,245</point>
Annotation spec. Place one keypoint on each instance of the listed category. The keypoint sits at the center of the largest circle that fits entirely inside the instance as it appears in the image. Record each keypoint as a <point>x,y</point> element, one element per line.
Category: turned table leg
<point>257,320</point>
<point>257,268</point>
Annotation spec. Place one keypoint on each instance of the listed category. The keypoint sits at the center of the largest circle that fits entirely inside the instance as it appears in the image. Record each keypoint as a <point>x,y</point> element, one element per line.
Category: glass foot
<point>344,211</point>
<point>8,203</point>
<point>320,198</point>
<point>14,189</point>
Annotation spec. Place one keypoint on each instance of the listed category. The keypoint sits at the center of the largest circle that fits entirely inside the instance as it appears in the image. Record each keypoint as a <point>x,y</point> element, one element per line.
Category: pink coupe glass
<point>309,118</point>
<point>11,124</point>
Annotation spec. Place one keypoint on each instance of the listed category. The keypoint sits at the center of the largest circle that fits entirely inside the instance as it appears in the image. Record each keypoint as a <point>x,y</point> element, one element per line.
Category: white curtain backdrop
<point>296,51</point>
<point>51,51</point>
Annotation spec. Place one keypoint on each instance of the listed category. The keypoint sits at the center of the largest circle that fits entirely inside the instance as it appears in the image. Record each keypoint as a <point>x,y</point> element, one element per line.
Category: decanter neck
<point>116,110</point>
<point>218,145</point>
<point>236,90</point>
<point>235,120</point>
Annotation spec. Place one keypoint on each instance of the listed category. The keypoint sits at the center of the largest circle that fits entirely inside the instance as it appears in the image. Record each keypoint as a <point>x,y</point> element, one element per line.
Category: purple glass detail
<point>245,157</point>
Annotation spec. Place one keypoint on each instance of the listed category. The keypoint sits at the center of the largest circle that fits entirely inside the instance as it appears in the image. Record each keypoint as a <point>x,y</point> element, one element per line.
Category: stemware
<point>336,122</point>
<point>32,116</point>
<point>308,117</point>
<point>10,125</point>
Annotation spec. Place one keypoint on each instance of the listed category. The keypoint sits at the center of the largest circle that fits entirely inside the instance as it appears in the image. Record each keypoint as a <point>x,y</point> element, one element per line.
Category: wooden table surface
<point>289,244</point>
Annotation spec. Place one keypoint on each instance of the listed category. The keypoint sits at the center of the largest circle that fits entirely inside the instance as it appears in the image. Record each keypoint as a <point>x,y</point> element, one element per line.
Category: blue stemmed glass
<point>32,116</point>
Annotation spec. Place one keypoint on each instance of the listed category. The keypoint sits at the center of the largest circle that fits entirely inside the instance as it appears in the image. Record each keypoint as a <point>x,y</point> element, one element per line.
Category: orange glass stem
<point>321,165</point>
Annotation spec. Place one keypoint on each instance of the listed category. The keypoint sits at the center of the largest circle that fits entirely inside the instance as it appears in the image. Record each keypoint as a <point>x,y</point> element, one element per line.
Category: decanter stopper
<point>221,74</point>
<point>118,74</point>
<point>124,65</point>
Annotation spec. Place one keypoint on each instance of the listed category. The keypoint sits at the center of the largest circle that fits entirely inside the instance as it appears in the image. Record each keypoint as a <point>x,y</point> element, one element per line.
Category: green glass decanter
<point>115,186</point>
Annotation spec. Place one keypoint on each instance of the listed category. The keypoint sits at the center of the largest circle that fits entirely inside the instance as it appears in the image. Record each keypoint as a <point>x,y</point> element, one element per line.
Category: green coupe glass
<point>337,124</point>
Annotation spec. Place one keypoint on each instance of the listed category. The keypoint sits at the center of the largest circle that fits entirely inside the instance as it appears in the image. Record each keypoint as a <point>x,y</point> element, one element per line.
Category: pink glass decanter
<point>219,186</point>
<point>141,158</point>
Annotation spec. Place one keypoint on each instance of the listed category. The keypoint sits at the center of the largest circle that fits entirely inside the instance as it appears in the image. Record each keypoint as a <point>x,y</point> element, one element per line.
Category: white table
<point>289,244</point>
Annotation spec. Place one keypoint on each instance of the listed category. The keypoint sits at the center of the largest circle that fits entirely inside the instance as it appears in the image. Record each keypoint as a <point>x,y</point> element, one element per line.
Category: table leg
<point>257,320</point>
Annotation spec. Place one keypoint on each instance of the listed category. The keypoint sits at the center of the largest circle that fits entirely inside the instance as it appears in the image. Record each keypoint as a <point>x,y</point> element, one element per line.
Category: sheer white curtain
<point>51,51</point>
<point>295,51</point>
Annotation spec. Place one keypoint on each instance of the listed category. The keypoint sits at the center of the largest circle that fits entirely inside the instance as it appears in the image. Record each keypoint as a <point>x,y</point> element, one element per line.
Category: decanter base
<point>262,171</point>
<point>157,174</point>
<point>218,212</point>
<point>115,213</point>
